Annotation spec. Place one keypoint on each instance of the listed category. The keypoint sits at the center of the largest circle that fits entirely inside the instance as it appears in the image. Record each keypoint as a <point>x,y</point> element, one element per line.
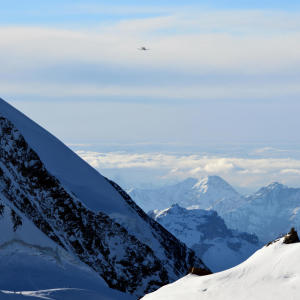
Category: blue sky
<point>217,73</point>
<point>89,13</point>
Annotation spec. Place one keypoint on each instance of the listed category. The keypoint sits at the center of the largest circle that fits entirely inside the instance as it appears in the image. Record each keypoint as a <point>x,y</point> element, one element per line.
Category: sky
<point>220,81</point>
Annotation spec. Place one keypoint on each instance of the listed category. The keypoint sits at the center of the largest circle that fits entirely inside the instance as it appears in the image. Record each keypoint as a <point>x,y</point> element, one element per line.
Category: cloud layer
<point>247,173</point>
<point>195,54</point>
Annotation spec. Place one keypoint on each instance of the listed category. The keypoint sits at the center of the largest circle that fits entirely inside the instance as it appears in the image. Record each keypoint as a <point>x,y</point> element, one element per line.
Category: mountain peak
<point>206,193</point>
<point>209,181</point>
<point>276,185</point>
<point>214,184</point>
<point>271,188</point>
<point>216,180</point>
<point>176,208</point>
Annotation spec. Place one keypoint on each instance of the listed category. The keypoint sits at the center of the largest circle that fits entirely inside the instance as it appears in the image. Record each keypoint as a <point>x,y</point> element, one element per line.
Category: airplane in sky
<point>143,48</point>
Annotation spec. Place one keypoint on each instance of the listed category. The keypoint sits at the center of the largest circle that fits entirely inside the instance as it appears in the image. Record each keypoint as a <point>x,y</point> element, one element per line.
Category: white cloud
<point>290,171</point>
<point>268,150</point>
<point>211,55</point>
<point>217,91</point>
<point>241,172</point>
<point>223,51</point>
<point>218,166</point>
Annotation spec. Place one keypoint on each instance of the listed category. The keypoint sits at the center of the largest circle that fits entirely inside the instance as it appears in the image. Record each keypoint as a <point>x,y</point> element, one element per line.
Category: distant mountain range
<point>267,213</point>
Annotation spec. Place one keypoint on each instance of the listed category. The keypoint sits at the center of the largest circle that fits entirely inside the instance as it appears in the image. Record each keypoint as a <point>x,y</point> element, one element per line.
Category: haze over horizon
<point>217,93</point>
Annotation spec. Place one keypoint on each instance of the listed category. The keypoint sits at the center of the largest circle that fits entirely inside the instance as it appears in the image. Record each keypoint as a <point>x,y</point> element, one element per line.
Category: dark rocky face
<point>120,258</point>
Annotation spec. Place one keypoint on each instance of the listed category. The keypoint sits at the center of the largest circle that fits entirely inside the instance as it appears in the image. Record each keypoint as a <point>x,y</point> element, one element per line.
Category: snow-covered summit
<point>211,192</point>
<point>273,272</point>
<point>273,188</point>
<point>213,182</point>
<point>269,212</point>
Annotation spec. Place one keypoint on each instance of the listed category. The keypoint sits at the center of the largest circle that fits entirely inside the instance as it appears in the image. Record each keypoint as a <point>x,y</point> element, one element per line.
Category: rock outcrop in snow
<point>82,212</point>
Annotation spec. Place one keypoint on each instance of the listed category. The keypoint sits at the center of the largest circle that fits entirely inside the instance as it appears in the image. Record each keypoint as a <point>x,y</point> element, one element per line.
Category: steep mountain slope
<point>83,212</point>
<point>30,261</point>
<point>271,273</point>
<point>206,233</point>
<point>269,212</point>
<point>211,192</point>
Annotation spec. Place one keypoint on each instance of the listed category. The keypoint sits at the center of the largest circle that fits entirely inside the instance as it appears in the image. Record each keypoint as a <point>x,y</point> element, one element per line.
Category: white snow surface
<point>272,273</point>
<point>32,265</point>
<point>61,294</point>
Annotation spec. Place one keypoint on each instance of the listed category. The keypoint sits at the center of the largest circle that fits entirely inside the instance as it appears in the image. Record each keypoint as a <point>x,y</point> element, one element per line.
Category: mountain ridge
<point>206,233</point>
<point>268,212</point>
<point>91,216</point>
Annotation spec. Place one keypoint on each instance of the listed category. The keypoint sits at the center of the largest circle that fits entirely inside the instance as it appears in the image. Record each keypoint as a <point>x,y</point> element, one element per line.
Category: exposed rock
<point>206,233</point>
<point>199,271</point>
<point>291,237</point>
<point>272,242</point>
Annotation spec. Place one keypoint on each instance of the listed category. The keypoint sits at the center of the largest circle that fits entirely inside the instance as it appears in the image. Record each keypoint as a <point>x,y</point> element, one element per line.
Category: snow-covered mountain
<point>206,233</point>
<point>211,192</point>
<point>83,212</point>
<point>273,272</point>
<point>268,213</point>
